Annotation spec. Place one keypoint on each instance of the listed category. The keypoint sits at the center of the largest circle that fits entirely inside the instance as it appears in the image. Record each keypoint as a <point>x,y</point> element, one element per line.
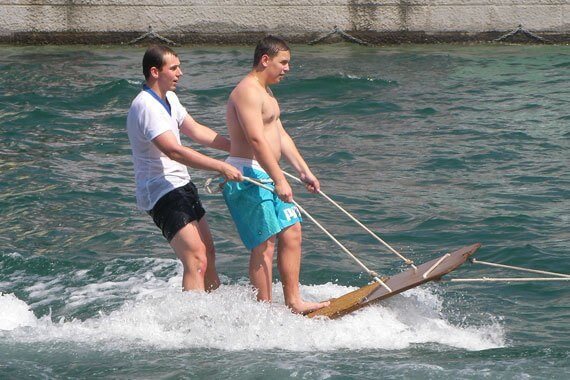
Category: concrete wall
<point>299,20</point>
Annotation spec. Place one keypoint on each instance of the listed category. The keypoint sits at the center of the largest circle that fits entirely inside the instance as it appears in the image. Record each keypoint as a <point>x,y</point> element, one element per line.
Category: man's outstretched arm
<point>204,135</point>
<point>168,144</point>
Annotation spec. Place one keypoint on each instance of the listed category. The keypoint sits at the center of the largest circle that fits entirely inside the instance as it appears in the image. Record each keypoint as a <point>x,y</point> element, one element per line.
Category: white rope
<point>474,261</point>
<point>431,269</point>
<point>506,279</point>
<point>372,274</point>
<point>406,260</point>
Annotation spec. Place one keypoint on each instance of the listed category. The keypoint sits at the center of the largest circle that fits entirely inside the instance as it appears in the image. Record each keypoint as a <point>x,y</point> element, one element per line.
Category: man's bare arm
<point>168,144</point>
<point>204,135</point>
<point>293,156</point>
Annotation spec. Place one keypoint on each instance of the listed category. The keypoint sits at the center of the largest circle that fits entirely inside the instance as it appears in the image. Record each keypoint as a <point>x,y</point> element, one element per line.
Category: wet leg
<point>261,269</point>
<point>289,265</point>
<point>211,279</point>
<point>191,250</point>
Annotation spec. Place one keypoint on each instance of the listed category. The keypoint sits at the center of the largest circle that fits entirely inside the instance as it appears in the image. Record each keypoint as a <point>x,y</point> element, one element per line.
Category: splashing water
<point>163,317</point>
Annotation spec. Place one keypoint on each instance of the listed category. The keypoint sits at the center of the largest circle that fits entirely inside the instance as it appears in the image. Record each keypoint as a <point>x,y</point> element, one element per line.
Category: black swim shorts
<point>176,209</point>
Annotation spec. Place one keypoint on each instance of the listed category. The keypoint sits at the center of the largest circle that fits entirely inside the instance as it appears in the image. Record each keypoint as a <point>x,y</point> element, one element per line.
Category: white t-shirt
<point>155,173</point>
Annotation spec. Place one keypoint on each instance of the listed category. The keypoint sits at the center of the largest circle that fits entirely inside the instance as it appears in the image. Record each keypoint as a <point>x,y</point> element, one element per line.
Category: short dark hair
<point>154,57</point>
<point>270,45</point>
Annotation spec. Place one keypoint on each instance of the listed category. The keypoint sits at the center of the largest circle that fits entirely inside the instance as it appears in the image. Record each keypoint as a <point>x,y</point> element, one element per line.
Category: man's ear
<point>265,60</point>
<point>154,72</point>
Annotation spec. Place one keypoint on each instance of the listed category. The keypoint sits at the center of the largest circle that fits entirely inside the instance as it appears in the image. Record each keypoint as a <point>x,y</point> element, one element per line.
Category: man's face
<point>170,73</point>
<point>278,66</point>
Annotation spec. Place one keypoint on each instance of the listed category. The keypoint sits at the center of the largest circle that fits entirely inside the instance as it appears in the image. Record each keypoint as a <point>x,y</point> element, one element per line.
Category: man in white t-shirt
<point>163,186</point>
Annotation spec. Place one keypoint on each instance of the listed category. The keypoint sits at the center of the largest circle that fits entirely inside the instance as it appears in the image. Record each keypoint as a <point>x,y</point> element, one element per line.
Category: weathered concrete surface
<point>234,21</point>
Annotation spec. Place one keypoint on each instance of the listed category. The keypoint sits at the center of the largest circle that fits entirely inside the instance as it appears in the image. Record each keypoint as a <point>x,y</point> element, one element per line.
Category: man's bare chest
<point>269,110</point>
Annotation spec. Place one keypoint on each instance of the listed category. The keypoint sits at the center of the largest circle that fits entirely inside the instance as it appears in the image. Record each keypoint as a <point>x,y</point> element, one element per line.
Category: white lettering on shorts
<point>292,213</point>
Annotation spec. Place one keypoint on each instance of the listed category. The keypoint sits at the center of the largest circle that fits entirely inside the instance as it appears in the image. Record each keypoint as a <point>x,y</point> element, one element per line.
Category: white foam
<point>358,77</point>
<point>150,311</point>
<point>163,317</point>
<point>14,313</point>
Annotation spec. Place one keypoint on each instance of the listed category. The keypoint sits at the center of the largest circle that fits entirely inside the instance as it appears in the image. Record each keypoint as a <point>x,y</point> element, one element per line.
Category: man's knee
<point>296,228</point>
<point>264,251</point>
<point>266,246</point>
<point>195,260</point>
<point>292,234</point>
<point>193,256</point>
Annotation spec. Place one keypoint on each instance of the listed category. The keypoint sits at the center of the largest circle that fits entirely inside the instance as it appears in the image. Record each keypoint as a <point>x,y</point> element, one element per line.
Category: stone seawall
<point>244,21</point>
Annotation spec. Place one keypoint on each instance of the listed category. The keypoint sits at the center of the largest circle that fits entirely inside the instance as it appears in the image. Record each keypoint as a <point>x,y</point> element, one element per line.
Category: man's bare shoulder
<point>247,89</point>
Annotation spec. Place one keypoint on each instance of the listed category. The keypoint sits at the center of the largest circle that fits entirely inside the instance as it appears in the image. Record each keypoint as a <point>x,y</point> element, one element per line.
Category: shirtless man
<point>258,142</point>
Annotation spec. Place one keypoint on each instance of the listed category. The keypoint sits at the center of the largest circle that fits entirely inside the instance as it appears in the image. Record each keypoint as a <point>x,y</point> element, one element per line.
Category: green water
<point>433,147</point>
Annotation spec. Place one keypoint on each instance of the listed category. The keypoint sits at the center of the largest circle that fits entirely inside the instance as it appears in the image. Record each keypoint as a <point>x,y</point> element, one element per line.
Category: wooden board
<point>399,283</point>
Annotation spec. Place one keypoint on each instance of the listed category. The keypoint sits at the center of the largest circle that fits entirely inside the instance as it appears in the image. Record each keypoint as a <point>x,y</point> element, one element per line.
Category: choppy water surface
<point>434,147</point>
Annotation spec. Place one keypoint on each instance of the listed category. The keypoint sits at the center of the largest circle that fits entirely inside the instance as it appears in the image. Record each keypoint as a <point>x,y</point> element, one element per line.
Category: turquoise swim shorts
<point>258,213</point>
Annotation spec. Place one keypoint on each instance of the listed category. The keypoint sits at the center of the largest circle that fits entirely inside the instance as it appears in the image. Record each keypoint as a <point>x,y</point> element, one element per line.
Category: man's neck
<point>154,87</point>
<point>259,77</point>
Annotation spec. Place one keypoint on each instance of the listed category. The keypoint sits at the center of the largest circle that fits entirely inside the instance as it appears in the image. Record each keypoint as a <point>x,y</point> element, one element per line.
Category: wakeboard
<point>367,295</point>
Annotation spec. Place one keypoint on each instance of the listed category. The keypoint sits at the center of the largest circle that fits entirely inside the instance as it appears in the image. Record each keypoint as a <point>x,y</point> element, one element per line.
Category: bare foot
<point>303,307</point>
